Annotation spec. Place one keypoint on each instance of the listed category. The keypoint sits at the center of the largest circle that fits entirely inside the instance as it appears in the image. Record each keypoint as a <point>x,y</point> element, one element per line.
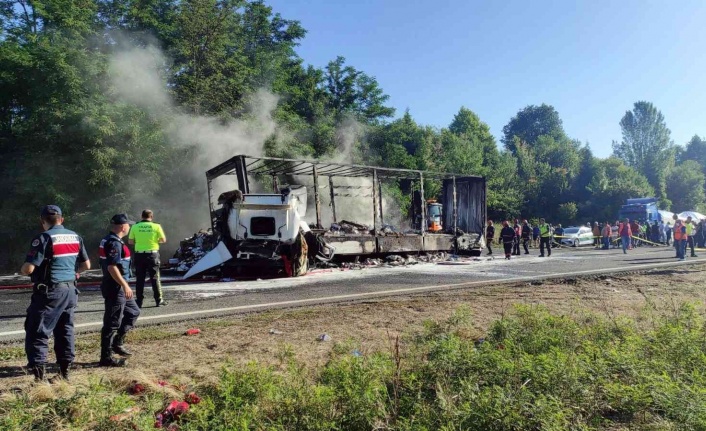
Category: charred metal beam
<point>455,210</point>
<point>317,201</point>
<point>382,214</point>
<point>423,209</point>
<point>333,201</point>
<point>230,164</point>
<point>211,210</point>
<point>375,202</point>
<point>242,174</point>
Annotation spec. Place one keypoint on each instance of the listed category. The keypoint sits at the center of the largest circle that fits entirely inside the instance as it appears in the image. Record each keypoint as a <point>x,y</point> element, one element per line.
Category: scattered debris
<point>191,250</point>
<point>324,337</point>
<point>275,332</point>
<point>357,353</point>
<point>192,331</point>
<point>125,415</point>
<point>345,227</point>
<point>192,398</point>
<point>171,414</point>
<point>136,388</point>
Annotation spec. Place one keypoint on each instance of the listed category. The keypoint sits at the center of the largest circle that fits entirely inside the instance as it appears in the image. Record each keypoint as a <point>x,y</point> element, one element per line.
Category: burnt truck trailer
<point>275,230</point>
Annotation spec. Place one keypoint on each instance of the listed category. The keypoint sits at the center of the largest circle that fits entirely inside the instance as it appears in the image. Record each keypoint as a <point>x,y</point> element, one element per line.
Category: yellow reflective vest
<point>544,230</point>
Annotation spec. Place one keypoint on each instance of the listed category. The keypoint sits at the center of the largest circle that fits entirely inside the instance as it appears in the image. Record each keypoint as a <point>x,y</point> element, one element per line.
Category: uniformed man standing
<point>545,236</point>
<point>56,257</point>
<point>121,310</point>
<point>146,236</point>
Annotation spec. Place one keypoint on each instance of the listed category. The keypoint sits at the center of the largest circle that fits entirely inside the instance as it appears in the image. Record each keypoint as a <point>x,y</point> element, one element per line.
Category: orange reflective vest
<point>680,232</point>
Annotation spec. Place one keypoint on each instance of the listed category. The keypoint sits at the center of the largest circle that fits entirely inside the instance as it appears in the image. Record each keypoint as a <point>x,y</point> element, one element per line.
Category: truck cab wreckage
<point>275,231</point>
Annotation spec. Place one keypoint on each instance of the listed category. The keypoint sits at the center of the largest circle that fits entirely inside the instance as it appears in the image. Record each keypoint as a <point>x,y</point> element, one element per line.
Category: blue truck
<point>640,209</point>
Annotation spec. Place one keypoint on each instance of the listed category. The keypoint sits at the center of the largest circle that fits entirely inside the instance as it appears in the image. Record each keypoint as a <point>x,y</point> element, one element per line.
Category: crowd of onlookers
<point>605,235</point>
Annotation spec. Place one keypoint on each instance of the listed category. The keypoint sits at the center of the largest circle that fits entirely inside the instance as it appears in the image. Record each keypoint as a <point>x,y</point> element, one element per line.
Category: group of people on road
<point>56,258</point>
<point>626,234</point>
<point>524,233</point>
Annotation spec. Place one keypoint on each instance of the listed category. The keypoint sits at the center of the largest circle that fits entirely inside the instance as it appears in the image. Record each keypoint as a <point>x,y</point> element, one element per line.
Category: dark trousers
<point>147,264</point>
<point>488,245</point>
<point>545,241</point>
<point>508,246</point>
<point>119,316</point>
<point>51,311</point>
<point>680,245</point>
<point>690,242</point>
<point>525,244</point>
<point>516,246</point>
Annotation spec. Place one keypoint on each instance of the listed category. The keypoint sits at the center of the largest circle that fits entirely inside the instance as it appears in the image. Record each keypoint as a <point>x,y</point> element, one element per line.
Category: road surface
<point>198,300</point>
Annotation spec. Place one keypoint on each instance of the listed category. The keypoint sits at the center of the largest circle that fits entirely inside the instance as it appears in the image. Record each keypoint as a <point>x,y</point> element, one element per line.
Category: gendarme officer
<point>121,310</point>
<point>56,257</point>
<point>147,236</point>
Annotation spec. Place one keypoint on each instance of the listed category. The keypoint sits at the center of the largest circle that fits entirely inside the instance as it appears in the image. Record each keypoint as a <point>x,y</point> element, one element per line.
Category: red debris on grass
<point>192,398</point>
<point>136,388</point>
<point>192,331</point>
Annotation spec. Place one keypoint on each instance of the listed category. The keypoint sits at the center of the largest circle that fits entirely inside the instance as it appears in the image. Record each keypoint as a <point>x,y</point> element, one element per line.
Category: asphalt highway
<point>199,300</point>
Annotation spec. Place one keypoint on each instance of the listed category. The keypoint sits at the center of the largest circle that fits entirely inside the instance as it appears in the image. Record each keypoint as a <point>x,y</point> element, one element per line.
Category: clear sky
<point>591,60</point>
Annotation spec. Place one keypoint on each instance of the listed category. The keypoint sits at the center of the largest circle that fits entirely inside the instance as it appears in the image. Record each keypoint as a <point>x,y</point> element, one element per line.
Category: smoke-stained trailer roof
<point>273,166</point>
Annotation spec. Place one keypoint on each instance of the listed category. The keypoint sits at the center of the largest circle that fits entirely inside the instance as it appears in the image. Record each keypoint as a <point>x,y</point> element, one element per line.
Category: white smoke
<point>138,77</point>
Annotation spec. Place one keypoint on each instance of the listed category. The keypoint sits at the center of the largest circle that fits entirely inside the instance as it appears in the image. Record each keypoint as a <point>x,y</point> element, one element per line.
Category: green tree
<point>695,150</point>
<point>685,186</point>
<point>352,91</point>
<point>504,197</point>
<point>612,184</point>
<point>567,212</point>
<point>529,124</point>
<point>646,145</point>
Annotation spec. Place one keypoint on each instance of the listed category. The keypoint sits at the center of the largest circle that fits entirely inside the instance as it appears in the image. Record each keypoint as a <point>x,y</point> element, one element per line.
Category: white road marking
<point>337,298</point>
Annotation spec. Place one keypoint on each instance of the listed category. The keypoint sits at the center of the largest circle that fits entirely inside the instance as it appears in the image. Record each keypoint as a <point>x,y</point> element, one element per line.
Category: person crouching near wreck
<point>507,236</point>
<point>121,310</point>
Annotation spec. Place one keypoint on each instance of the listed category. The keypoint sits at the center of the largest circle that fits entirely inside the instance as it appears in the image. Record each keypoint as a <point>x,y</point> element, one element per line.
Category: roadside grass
<point>531,370</point>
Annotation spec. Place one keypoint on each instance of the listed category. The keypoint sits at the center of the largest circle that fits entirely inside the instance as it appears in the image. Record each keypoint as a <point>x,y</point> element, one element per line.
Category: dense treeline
<point>71,133</point>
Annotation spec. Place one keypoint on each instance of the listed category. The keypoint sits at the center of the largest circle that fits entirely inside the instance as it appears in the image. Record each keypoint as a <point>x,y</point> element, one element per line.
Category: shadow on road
<point>651,259</point>
<point>51,369</point>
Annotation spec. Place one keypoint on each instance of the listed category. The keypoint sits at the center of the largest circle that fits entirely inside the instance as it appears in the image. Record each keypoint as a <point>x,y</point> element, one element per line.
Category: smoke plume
<point>138,77</point>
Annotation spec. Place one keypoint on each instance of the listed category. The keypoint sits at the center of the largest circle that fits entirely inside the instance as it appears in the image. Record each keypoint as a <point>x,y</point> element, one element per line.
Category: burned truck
<point>289,230</point>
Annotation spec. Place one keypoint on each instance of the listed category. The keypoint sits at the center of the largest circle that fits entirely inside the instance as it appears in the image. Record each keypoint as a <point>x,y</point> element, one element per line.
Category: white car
<point>577,236</point>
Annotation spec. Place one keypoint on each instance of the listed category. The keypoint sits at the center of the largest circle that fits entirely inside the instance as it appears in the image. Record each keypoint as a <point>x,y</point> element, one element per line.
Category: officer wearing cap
<point>121,310</point>
<point>146,236</point>
<point>56,257</point>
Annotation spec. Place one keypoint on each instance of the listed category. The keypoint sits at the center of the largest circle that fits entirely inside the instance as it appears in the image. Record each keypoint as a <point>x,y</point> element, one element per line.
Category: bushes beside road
<point>533,370</point>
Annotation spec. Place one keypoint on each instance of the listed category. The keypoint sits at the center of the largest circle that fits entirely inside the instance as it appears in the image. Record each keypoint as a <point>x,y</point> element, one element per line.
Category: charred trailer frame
<point>463,199</point>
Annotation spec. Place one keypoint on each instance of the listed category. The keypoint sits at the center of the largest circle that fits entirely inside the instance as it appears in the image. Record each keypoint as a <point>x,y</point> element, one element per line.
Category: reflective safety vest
<point>689,229</point>
<point>544,230</point>
<point>146,235</point>
<point>680,232</point>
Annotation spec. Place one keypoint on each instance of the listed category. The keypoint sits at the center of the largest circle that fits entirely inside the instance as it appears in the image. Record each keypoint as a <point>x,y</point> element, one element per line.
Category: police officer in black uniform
<point>56,257</point>
<point>121,310</point>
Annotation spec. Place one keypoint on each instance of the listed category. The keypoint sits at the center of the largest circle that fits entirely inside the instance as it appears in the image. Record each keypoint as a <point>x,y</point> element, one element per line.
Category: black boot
<point>111,362</point>
<point>39,372</point>
<point>118,346</point>
<point>64,369</point>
